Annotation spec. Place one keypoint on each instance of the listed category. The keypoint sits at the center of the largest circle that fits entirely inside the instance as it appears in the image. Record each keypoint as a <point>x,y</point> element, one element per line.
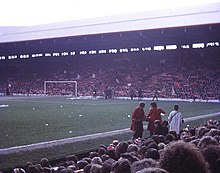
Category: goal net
<point>60,88</point>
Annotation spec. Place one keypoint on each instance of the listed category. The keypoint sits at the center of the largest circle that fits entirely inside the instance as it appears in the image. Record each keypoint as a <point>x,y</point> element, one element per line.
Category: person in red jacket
<point>138,117</point>
<point>154,114</point>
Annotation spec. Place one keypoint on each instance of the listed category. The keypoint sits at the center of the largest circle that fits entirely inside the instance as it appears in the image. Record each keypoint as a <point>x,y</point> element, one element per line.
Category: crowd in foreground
<point>194,150</point>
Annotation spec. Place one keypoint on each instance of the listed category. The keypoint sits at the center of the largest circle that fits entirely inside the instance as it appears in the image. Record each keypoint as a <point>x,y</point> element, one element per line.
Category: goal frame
<point>46,82</point>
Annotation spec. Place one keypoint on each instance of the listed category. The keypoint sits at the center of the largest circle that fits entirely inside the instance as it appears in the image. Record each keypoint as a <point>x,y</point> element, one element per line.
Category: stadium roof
<point>185,16</point>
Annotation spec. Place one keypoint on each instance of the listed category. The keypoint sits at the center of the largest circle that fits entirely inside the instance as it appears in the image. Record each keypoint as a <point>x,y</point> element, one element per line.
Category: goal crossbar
<point>46,82</point>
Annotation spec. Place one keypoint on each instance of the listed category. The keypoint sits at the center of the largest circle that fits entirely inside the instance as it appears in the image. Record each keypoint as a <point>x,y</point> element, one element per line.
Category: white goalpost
<point>60,88</point>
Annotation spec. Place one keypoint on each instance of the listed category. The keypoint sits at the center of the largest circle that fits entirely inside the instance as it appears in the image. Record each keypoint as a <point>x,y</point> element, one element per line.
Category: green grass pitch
<point>29,120</point>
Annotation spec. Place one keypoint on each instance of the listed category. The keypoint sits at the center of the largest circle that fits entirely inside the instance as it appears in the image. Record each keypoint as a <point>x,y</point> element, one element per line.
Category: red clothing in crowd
<point>136,115</point>
<point>154,114</point>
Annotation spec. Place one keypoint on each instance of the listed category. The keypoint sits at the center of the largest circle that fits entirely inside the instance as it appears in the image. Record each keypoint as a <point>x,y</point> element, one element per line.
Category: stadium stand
<point>153,73</point>
<point>196,150</point>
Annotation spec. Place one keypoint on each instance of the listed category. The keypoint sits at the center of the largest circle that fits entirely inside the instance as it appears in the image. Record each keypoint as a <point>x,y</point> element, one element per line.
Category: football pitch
<point>27,120</point>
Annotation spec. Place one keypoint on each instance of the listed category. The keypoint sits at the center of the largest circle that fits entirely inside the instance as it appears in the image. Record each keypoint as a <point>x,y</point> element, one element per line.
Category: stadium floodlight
<point>92,52</point>
<point>64,54</point>
<point>171,47</point>
<point>12,56</point>
<point>198,45</point>
<point>47,54</point>
<point>212,44</point>
<point>2,57</point>
<point>112,50</point>
<point>73,53</point>
<point>103,51</point>
<point>56,54</point>
<point>124,50</point>
<point>60,88</point>
<point>185,46</point>
<point>83,52</point>
<point>146,49</point>
<point>24,56</point>
<point>135,49</point>
<point>158,48</point>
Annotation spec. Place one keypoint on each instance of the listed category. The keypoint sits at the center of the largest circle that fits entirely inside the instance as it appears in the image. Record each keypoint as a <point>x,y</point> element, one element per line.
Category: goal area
<point>57,88</point>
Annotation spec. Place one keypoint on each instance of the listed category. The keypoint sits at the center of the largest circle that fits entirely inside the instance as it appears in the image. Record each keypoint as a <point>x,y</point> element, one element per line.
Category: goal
<point>60,88</point>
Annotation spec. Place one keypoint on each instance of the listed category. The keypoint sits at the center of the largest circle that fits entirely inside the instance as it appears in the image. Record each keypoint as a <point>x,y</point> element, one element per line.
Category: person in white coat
<point>175,120</point>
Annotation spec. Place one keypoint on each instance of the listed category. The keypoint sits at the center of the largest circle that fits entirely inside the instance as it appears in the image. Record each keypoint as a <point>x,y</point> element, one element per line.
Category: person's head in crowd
<point>164,123</point>
<point>213,132</point>
<point>212,156</point>
<point>121,166</point>
<point>106,168</point>
<point>201,131</point>
<point>168,138</point>
<point>121,148</point>
<point>130,157</point>
<point>72,158</point>
<point>102,146</point>
<point>71,167</point>
<point>88,159</point>
<point>152,154</point>
<point>68,163</point>
<point>132,148</point>
<point>18,170</point>
<point>96,168</point>
<point>152,170</point>
<point>27,166</point>
<point>157,123</point>
<point>96,160</point>
<point>181,157</point>
<point>141,151</point>
<point>81,164</point>
<point>161,146</point>
<point>161,138</point>
<point>153,145</point>
<point>45,163</point>
<point>207,140</point>
<point>147,141</point>
<point>172,132</point>
<point>210,122</point>
<point>184,135</point>
<point>114,143</point>
<point>145,163</point>
<point>87,168</point>
<point>35,169</point>
<point>192,131</point>
<point>111,153</point>
<point>60,168</point>
<point>47,170</point>
<point>93,154</point>
<point>104,157</point>
<point>195,142</point>
<point>101,151</point>
<point>217,137</point>
<point>155,138</point>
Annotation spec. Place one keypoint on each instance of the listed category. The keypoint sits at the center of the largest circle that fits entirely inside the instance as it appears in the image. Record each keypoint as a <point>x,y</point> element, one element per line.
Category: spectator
<point>154,114</point>
<point>180,157</point>
<point>175,119</point>
<point>138,117</point>
<point>152,170</point>
<point>145,163</point>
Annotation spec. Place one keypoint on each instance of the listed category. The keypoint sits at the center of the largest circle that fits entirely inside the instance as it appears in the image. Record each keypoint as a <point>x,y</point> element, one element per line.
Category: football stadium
<point>69,92</point>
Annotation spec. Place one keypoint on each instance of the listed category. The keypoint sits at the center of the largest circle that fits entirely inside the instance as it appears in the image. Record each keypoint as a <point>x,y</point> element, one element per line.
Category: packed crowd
<point>125,76</point>
<point>195,150</point>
